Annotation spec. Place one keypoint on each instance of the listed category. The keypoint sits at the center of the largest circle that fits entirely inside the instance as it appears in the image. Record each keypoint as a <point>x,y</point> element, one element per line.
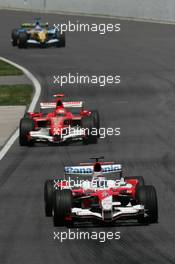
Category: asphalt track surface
<point>143,106</point>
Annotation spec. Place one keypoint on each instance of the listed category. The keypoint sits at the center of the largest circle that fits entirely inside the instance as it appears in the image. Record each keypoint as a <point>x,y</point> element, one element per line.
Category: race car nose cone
<point>42,36</point>
<point>57,138</point>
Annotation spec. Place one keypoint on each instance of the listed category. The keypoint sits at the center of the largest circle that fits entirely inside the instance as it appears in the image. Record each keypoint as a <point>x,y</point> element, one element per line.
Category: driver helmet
<point>37,25</point>
<point>60,112</point>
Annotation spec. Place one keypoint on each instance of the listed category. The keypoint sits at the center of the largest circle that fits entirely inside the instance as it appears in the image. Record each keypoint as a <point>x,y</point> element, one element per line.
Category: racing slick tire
<point>26,125</point>
<point>62,205</point>
<point>48,197</point>
<point>61,38</point>
<point>140,179</point>
<point>146,195</point>
<point>22,40</point>
<point>88,124</point>
<point>96,116</point>
<point>14,37</point>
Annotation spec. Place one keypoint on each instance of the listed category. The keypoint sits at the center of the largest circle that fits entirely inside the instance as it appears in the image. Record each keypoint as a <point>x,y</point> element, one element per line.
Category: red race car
<point>99,192</point>
<point>59,122</point>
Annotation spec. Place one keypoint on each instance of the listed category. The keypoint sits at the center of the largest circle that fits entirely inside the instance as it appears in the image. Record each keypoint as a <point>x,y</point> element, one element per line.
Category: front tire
<point>22,41</point>
<point>96,116</point>
<point>88,124</point>
<point>61,39</point>
<point>48,197</point>
<point>147,196</point>
<point>26,125</point>
<point>62,206</point>
<point>14,37</point>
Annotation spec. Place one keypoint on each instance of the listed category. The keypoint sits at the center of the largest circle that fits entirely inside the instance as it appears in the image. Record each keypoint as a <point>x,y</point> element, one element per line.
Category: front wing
<point>128,212</point>
<point>43,135</point>
<point>47,43</point>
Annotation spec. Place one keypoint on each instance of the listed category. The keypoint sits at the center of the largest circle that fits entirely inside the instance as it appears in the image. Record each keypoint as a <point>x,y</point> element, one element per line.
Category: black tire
<point>88,123</point>
<point>147,196</point>
<point>141,181</point>
<point>14,37</point>
<point>61,38</point>
<point>96,116</point>
<point>26,125</point>
<point>62,206</point>
<point>22,40</point>
<point>48,197</point>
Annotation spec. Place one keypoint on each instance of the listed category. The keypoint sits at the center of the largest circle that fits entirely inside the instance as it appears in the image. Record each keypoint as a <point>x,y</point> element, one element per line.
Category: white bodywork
<point>52,105</point>
<point>51,41</point>
<point>88,169</point>
<point>43,135</point>
<point>116,213</point>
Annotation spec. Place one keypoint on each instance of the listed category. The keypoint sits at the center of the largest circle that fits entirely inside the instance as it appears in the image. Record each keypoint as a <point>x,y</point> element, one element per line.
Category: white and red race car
<point>59,122</point>
<point>99,192</point>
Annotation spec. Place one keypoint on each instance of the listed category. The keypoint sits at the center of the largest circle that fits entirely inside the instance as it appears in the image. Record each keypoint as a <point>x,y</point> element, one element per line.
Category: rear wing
<point>52,105</point>
<point>32,25</point>
<point>106,168</point>
<point>48,105</point>
<point>73,104</point>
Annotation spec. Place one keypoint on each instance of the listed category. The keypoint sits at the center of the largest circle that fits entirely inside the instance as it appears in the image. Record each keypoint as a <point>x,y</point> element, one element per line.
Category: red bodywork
<point>58,119</point>
<point>115,192</point>
<point>90,195</point>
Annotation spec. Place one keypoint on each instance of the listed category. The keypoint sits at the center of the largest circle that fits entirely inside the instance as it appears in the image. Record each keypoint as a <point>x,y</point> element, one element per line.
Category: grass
<point>15,94</point>
<point>7,69</point>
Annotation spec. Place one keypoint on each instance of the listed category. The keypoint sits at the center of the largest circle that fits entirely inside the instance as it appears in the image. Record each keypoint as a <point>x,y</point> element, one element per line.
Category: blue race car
<point>37,34</point>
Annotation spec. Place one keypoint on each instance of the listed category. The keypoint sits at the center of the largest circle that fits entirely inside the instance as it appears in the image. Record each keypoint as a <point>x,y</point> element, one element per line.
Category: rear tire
<point>14,37</point>
<point>147,196</point>
<point>96,116</point>
<point>62,206</point>
<point>26,125</point>
<point>48,197</point>
<point>88,123</point>
<point>61,38</point>
<point>22,41</point>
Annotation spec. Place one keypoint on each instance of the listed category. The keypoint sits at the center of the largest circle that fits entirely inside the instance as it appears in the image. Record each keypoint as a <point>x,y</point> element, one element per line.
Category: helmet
<point>97,167</point>
<point>37,25</point>
<point>59,103</point>
<point>60,112</point>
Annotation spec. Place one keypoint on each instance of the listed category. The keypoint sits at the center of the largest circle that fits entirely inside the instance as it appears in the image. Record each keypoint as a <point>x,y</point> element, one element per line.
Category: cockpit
<point>60,112</point>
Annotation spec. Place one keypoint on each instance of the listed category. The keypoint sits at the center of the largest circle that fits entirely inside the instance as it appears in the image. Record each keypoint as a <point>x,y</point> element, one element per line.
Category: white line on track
<point>35,99</point>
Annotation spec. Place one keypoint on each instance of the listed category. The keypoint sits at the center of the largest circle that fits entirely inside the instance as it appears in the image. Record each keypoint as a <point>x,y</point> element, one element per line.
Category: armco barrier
<point>161,10</point>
